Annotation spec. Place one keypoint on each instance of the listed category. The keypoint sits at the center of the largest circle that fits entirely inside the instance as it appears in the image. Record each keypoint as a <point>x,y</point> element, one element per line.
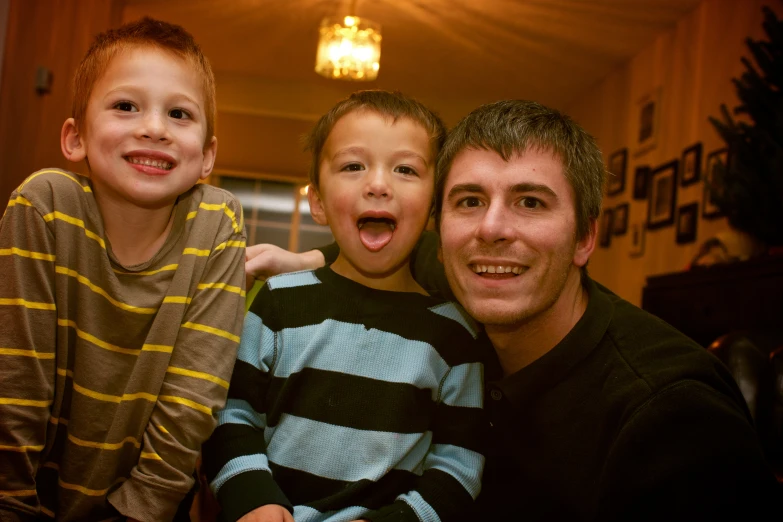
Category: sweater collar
<point>553,366</point>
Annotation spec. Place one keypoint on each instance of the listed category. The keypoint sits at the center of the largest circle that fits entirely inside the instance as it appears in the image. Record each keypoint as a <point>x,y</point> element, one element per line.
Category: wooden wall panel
<point>692,64</point>
<point>53,34</point>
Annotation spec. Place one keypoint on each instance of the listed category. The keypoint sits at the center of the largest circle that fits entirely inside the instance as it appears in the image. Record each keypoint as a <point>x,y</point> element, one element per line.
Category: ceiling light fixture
<point>349,48</point>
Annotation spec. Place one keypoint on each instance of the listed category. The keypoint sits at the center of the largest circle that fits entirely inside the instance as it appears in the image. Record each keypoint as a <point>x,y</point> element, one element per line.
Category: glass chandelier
<point>349,48</point>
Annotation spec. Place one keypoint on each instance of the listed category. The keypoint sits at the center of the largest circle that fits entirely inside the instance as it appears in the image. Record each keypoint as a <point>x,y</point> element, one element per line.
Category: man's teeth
<point>165,165</point>
<point>482,269</point>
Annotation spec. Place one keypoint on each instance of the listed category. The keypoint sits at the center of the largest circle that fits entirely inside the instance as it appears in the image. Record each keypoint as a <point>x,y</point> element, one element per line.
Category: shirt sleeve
<point>690,453</point>
<point>28,325</point>
<point>451,480</point>
<point>194,388</point>
<point>235,461</point>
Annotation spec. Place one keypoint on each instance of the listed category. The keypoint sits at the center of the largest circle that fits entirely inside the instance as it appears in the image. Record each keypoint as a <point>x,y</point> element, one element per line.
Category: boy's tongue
<point>375,235</point>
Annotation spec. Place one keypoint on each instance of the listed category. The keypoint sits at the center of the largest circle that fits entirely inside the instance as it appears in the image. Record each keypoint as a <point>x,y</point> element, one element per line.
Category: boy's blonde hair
<point>391,104</point>
<point>142,33</point>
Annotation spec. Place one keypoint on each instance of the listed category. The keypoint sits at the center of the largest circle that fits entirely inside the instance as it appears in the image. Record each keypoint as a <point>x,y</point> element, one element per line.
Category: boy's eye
<point>124,106</point>
<point>405,169</point>
<point>179,114</point>
<point>353,167</point>
<point>469,202</point>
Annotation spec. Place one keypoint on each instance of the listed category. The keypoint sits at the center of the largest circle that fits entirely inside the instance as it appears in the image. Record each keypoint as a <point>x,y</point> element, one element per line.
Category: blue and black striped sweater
<point>348,402</point>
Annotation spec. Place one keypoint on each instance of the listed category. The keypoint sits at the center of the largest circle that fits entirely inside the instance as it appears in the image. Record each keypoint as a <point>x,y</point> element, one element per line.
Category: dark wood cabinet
<point>707,302</point>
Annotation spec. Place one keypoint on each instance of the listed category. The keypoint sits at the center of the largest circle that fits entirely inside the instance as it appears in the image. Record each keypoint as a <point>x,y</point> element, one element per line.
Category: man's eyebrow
<point>463,188</point>
<point>521,188</point>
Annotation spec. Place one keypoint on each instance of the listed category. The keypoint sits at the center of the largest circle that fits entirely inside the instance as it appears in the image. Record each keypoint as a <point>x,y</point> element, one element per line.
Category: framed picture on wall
<point>605,228</point>
<point>691,165</point>
<point>687,221</point>
<point>617,164</point>
<point>663,196</point>
<point>637,232</point>
<point>641,180</point>
<point>715,160</point>
<point>648,110</point>
<point>620,219</point>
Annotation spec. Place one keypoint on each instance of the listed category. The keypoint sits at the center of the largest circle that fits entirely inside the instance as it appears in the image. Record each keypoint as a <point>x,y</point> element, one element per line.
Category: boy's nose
<point>378,185</point>
<point>153,126</point>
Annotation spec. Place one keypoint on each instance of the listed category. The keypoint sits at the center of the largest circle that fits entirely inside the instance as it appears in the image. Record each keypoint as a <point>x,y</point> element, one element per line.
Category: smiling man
<point>599,411</point>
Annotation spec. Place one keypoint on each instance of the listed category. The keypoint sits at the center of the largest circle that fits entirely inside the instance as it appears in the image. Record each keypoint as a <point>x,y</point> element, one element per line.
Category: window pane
<point>244,190</point>
<point>276,236</point>
<point>276,201</point>
<point>309,239</point>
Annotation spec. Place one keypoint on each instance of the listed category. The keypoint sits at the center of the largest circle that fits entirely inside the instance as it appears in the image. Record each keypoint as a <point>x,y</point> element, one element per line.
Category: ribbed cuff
<point>248,491</point>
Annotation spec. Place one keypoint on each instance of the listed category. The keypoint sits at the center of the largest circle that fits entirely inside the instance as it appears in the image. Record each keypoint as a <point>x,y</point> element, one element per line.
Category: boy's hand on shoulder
<point>265,260</point>
<point>268,513</point>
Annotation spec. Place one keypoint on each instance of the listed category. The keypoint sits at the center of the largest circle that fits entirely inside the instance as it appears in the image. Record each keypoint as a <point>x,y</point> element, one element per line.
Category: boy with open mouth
<point>356,396</point>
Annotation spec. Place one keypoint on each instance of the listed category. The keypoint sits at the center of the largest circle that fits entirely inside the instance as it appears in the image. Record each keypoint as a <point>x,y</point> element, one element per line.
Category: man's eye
<point>353,167</point>
<point>179,114</point>
<point>469,202</point>
<point>530,202</point>
<point>405,169</point>
<point>124,106</point>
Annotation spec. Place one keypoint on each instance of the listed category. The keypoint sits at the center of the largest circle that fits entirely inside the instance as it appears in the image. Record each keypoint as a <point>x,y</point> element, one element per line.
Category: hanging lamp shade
<point>349,48</point>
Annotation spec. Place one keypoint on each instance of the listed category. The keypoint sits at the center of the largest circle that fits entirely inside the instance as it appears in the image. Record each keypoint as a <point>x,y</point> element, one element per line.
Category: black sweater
<point>625,419</point>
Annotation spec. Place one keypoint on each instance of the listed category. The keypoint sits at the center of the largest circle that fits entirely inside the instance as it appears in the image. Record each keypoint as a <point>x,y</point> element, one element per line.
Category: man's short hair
<point>514,126</point>
<point>142,33</point>
<point>390,104</point>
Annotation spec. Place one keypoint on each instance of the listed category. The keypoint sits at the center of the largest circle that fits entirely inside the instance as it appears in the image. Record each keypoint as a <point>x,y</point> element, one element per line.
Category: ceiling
<point>451,54</point>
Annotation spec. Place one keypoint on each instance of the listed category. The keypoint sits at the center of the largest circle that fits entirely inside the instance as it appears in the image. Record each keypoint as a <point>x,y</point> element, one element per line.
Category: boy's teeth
<point>482,269</point>
<point>165,165</point>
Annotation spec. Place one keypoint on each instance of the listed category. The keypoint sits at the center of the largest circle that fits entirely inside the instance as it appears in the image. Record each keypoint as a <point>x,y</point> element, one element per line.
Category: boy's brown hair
<point>141,33</point>
<point>391,104</point>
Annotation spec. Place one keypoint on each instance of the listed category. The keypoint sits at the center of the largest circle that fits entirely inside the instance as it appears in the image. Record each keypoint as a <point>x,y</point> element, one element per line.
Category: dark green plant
<point>749,190</point>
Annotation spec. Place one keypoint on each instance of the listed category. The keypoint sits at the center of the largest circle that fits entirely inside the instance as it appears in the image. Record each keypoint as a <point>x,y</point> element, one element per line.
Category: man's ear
<point>586,245</point>
<point>210,153</point>
<point>316,206</point>
<point>71,142</point>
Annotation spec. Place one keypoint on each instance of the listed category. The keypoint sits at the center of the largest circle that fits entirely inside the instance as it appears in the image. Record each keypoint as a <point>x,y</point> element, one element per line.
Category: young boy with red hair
<point>121,300</point>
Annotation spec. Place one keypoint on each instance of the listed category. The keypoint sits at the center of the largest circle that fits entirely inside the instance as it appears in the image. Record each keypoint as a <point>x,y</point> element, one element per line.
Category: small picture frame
<point>620,219</point>
<point>648,110</point>
<point>687,221</point>
<point>641,180</point>
<point>715,159</point>
<point>637,232</point>
<point>663,196</point>
<point>605,228</point>
<point>617,165</point>
<point>691,165</point>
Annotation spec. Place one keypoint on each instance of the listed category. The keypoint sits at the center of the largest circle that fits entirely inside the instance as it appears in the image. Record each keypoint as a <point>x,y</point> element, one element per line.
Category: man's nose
<point>496,224</point>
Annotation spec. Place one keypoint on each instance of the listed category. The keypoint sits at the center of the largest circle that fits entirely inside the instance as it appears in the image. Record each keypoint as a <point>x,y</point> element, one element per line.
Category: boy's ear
<point>71,142</point>
<point>316,206</point>
<point>210,153</point>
